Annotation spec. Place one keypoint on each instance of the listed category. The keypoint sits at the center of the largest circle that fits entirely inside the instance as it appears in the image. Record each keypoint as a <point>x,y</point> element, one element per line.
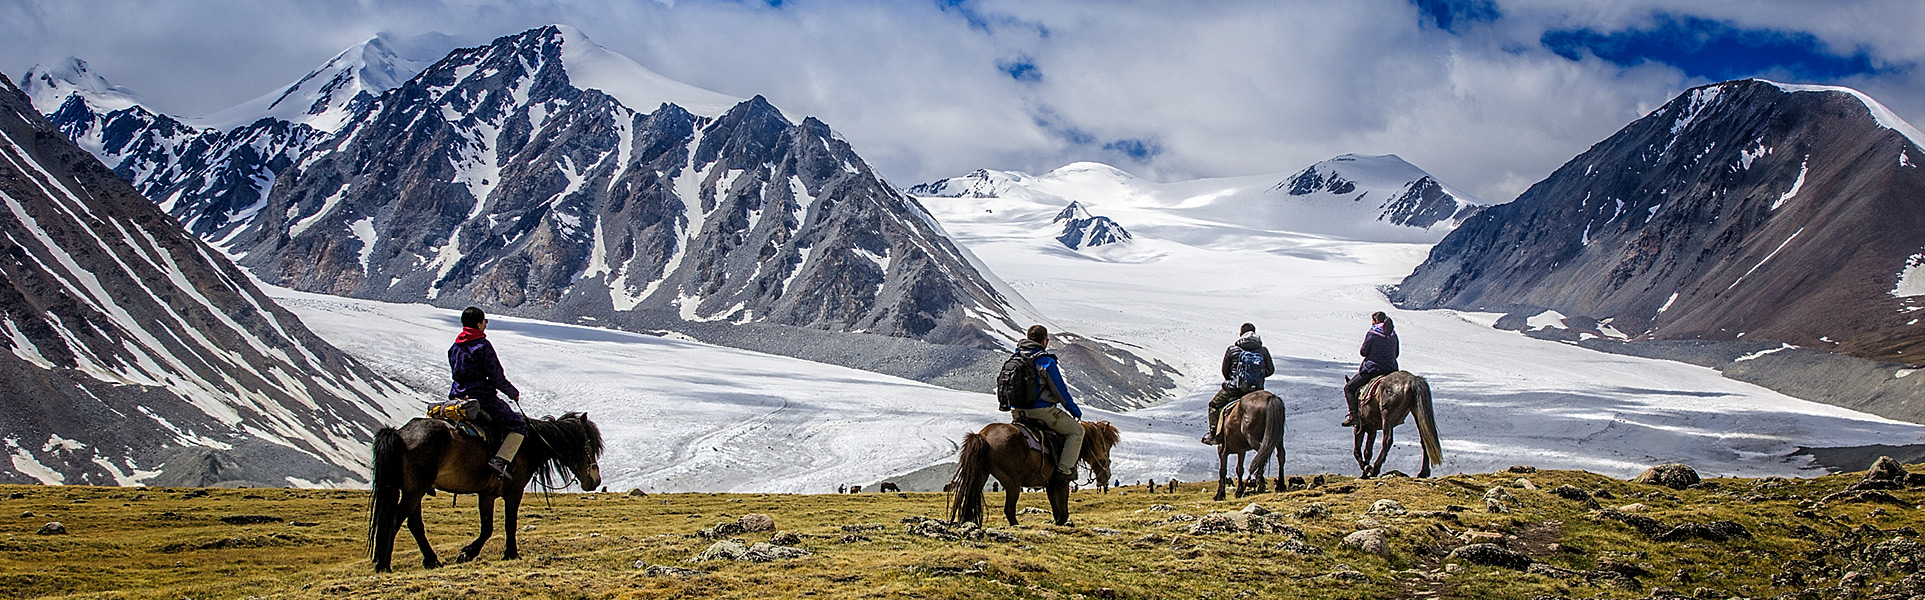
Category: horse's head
<point>1098,438</point>
<point>576,444</point>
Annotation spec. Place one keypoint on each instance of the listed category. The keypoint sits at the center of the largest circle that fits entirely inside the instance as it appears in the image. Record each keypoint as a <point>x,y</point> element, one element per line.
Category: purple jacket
<point>1379,351</point>
<point>477,372</point>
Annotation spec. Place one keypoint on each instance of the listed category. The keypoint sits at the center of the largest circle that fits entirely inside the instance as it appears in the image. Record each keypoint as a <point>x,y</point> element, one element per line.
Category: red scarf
<point>469,334</point>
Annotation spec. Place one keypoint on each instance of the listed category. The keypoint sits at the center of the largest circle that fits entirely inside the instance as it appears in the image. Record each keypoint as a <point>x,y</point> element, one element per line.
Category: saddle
<point>468,419</point>
<point>1040,437</point>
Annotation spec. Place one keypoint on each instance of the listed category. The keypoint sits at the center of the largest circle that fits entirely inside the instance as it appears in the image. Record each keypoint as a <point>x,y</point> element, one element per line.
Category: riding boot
<point>506,456</point>
<point>1209,437</point>
<point>1350,419</point>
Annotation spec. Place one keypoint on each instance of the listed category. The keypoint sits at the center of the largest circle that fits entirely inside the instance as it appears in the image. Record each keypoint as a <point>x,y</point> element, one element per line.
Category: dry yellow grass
<point>173,543</point>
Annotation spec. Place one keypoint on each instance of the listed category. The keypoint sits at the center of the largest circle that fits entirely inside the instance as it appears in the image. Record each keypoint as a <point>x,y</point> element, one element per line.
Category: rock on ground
<point>1676,476</point>
<point>1374,541</point>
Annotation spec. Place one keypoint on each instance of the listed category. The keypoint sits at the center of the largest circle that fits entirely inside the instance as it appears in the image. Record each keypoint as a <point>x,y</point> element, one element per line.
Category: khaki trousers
<point>1060,421</point>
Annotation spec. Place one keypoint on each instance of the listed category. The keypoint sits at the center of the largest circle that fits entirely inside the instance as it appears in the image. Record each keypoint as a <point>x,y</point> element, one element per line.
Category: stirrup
<point>499,466</point>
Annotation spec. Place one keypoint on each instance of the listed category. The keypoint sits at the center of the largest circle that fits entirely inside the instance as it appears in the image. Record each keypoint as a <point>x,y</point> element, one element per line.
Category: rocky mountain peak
<point>50,86</point>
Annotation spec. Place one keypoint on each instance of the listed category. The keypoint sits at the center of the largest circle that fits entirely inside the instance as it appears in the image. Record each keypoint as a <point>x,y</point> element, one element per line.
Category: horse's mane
<point>1100,433</point>
<point>572,441</point>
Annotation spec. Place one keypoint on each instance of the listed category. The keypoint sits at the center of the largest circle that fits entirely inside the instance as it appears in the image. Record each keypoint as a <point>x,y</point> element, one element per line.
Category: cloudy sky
<point>1489,95</point>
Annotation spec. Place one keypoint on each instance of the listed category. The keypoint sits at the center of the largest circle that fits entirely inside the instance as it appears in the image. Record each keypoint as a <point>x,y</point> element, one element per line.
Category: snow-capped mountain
<point>1084,230</point>
<point>331,94</point>
<point>546,177</point>
<point>1739,209</point>
<point>137,354</point>
<point>1368,198</point>
<point>1397,191</point>
<point>50,86</point>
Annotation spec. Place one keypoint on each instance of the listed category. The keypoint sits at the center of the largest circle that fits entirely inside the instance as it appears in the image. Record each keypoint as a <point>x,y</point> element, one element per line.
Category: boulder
<point>54,528</point>
<point>1255,509</point>
<point>1388,507</point>
<point>1885,469</point>
<point>1676,476</point>
<point>1492,555</point>
<point>754,522</point>
<point>1215,523</point>
<point>1374,541</point>
<point>1570,492</point>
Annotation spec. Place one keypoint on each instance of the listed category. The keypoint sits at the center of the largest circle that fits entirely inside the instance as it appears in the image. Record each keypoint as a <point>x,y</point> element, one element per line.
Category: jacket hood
<point>1028,345</point>
<point>1250,341</point>
<point>469,334</point>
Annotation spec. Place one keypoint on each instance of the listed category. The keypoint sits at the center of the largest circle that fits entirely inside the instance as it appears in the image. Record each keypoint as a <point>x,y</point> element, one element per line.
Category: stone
<point>1374,541</point>
<point>1160,508</point>
<point>1215,523</point>
<point>1885,469</point>
<point>765,552</point>
<point>1522,469</point>
<point>1473,536</point>
<point>754,522</point>
<point>1255,509</point>
<point>1314,510</point>
<point>786,538</point>
<point>1498,494</point>
<point>1000,536</point>
<point>1495,507</point>
<point>53,528</point>
<point>667,571</point>
<point>1525,484</point>
<point>1716,531</point>
<point>1492,555</point>
<point>1387,506</point>
<point>1298,547</point>
<point>1676,476</point>
<point>1570,492</point>
<point>636,492</point>
<point>760,552</point>
<point>249,519</point>
<point>1635,507</point>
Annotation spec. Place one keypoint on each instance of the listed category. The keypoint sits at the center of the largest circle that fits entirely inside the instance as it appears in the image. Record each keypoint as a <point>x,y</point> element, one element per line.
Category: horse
<point>999,450</point>
<point>1253,422</point>
<point>1385,404</point>
<point>429,454</point>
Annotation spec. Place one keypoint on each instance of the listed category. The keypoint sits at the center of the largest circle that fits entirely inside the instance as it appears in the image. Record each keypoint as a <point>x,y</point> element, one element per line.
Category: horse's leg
<point>1010,494</point>
<point>510,506</point>
<point>384,532</point>
<point>473,549</point>
<point>1377,467</point>
<point>1222,470</point>
<point>1357,450</point>
<point>1059,502</point>
<point>1240,474</point>
<point>411,505</point>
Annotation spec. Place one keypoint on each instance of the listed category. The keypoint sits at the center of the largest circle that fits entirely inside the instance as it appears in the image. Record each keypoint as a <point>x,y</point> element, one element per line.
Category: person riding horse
<point>1245,364</point>
<point>477,376</point>
<point>1052,405</point>
<point>1380,358</point>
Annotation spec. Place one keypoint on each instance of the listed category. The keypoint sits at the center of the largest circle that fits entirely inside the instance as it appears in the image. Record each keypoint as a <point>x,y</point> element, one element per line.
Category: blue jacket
<point>1379,351</point>
<point>477,371</point>
<point>1053,387</point>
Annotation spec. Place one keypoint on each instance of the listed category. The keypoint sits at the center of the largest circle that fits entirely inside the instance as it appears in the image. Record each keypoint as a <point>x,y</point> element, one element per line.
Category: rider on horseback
<point>1380,359</point>
<point>1052,392</point>
<point>1239,377</point>
<point>477,376</point>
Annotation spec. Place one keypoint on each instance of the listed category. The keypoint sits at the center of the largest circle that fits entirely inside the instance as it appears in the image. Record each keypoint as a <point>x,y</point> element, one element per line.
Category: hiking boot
<point>1209,439</point>
<point>499,466</point>
<point>1062,477</point>
<point>1349,420</point>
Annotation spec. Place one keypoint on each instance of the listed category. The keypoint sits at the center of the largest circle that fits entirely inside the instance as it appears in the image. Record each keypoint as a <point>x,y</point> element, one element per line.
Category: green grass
<point>162,543</point>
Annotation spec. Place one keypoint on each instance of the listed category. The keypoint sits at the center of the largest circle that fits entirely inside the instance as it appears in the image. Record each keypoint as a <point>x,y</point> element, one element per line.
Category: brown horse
<point>1385,404</point>
<point>428,454</point>
<point>999,450</point>
<point>1254,422</point>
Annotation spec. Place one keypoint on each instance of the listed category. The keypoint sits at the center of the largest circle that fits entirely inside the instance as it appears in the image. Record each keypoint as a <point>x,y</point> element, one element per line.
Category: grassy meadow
<point>1801,538</point>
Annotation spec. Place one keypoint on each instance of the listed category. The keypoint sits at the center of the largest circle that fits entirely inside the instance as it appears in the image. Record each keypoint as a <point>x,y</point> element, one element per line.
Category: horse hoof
<point>465,556</point>
<point>430,564</point>
<point>510,556</point>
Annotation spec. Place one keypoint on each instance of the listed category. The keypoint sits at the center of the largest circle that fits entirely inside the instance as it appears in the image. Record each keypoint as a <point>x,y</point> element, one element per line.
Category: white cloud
<point>1219,88</point>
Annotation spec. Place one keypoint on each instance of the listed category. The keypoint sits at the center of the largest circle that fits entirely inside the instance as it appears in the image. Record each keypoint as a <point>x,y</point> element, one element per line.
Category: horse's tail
<point>1426,421</point>
<point>972,472</point>
<point>384,505</point>
<point>1272,439</point>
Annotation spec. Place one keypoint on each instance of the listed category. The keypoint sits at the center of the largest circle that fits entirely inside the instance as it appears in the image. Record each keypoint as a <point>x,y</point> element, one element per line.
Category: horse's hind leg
<point>1359,445</point>
<point>411,505</point>
<point>473,549</point>
<point>1222,471</point>
<point>1240,475</point>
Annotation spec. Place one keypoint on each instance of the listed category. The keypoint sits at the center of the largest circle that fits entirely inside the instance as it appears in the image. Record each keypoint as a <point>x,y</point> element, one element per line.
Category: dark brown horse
<point>999,450</point>
<point>1383,407</point>
<point>1254,422</point>
<point>428,454</point>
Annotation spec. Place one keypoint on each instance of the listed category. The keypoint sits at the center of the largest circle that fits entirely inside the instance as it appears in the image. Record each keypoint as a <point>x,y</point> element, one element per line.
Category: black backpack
<point>1017,382</point>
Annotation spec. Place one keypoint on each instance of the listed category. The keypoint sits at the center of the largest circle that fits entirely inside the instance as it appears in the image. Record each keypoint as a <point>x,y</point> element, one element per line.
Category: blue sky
<point>1490,95</point>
